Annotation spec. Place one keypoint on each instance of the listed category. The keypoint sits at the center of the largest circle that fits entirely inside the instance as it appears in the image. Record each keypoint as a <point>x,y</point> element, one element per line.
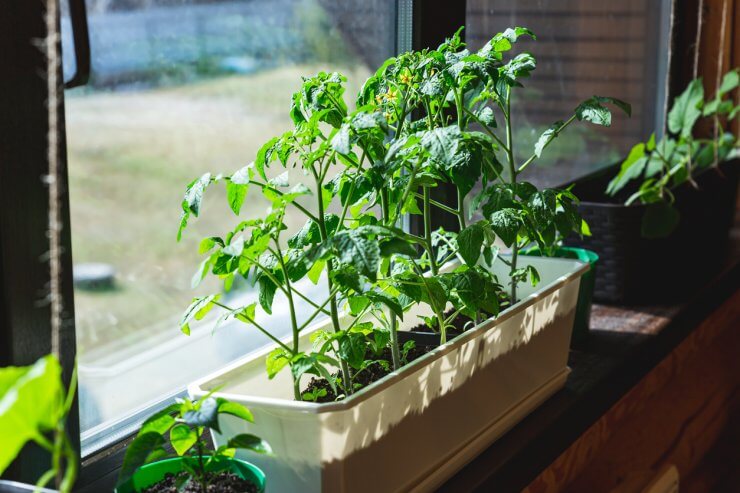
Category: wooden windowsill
<point>552,447</point>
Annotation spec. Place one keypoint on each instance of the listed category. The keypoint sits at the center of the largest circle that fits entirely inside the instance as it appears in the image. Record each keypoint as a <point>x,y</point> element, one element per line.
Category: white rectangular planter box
<point>416,427</point>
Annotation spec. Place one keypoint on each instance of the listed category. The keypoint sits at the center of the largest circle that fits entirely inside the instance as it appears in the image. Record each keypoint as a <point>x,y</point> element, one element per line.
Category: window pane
<point>179,88</point>
<point>583,47</point>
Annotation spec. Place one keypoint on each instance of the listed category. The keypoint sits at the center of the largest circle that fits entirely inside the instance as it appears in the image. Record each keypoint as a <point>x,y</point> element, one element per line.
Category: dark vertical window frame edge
<point>24,244</point>
<point>433,22</point>
<point>683,38</point>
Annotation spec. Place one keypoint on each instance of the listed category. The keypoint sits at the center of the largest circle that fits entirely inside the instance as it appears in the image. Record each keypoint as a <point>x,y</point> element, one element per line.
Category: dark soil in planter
<point>458,322</point>
<point>371,374</point>
<point>222,482</point>
<point>376,371</point>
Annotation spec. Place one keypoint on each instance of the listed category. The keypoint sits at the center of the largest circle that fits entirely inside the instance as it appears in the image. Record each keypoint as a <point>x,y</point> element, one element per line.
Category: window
<point>584,47</point>
<point>178,88</point>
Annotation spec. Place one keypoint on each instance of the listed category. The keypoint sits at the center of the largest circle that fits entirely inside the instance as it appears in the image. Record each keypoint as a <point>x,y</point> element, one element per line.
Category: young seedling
<point>33,408</point>
<point>659,166</point>
<point>184,425</point>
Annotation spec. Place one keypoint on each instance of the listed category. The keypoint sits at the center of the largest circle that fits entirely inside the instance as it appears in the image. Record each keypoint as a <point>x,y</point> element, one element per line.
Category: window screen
<point>584,48</point>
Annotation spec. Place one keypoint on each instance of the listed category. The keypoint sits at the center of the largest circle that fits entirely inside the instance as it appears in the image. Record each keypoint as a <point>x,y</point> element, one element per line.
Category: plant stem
<point>406,192</point>
<point>296,204</point>
<point>293,318</point>
<point>289,295</point>
<point>439,205</point>
<point>332,298</point>
<point>488,130</point>
<point>437,312</point>
<point>428,230</point>
<point>512,178</point>
<point>534,156</point>
<point>311,302</point>
<point>258,326</point>
<point>460,209</point>
<point>201,467</point>
<point>320,309</point>
<point>395,352</point>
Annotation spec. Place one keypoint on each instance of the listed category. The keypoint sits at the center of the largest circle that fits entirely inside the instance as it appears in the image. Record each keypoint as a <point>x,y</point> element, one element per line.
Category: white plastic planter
<point>414,428</point>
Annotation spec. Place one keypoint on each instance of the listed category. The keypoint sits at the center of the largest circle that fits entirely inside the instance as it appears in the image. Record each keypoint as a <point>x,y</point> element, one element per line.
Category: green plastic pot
<point>586,291</point>
<point>152,473</point>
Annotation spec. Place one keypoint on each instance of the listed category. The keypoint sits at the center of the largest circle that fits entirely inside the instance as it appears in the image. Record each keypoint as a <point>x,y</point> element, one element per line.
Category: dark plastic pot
<point>638,270</point>
<point>15,487</point>
<point>152,473</point>
<point>586,289</point>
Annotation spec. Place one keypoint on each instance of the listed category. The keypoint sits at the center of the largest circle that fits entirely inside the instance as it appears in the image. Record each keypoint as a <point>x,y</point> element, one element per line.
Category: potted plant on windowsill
<point>372,397</point>
<point>194,467</point>
<point>582,322</point>
<point>667,212</point>
<point>33,408</point>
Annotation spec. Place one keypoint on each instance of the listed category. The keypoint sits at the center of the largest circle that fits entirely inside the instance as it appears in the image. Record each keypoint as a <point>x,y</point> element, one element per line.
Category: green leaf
<point>340,142</point>
<point>354,249</point>
<point>276,361</point>
<point>352,348</point>
<point>659,220</point>
<point>504,41</point>
<point>234,409</point>
<point>506,224</point>
<point>543,205</point>
<point>547,137</point>
<point>207,243</point>
<point>650,145</point>
<point>347,277</point>
<point>730,82</point>
<point>686,109</point>
<point>470,241</point>
<point>161,421</point>
<point>384,299</point>
<point>357,304</point>
<point>314,273</point>
<point>182,438</point>
<point>206,414</point>
<point>264,156</point>
<point>398,246</point>
<point>442,144</point>
<point>192,200</point>
<point>236,194</point>
<point>487,117</point>
<point>631,168</point>
<point>267,293</point>
<point>31,403</point>
<point>593,110</point>
<point>249,442</point>
<point>310,234</point>
<point>138,453</point>
<point>197,310</point>
<point>518,67</point>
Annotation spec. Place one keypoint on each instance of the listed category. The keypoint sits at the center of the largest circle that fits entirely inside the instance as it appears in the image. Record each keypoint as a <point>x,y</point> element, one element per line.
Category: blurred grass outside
<point>131,155</point>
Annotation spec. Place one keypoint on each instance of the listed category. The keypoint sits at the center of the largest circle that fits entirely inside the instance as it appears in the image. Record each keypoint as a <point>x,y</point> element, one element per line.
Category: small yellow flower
<point>378,98</point>
<point>390,95</point>
<point>405,79</point>
<point>387,115</point>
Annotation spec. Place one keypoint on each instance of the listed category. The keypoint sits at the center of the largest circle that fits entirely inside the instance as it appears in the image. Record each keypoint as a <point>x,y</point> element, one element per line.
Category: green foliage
<point>424,119</point>
<point>33,407</point>
<point>656,168</point>
<point>185,424</point>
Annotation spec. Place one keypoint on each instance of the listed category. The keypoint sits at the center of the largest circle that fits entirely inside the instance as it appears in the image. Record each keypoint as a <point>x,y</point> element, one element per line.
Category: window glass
<point>179,88</point>
<point>583,48</point>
